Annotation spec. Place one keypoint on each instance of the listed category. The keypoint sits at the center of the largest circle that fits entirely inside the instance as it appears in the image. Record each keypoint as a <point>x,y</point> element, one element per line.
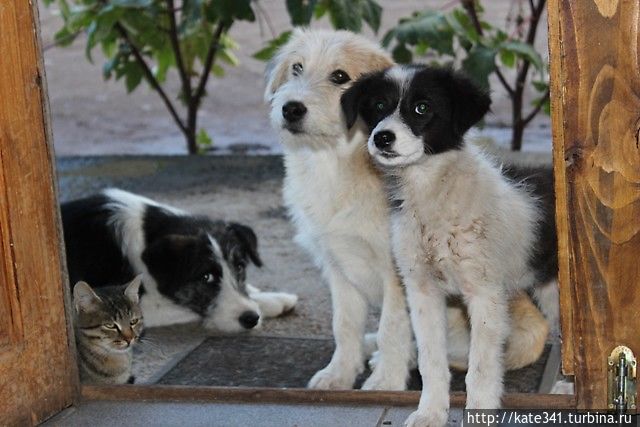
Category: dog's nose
<point>293,111</point>
<point>249,319</point>
<point>384,139</point>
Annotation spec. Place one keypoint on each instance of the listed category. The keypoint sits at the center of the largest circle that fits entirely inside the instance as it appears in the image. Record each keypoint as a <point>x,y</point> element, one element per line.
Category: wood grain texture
<point>37,365</point>
<point>305,396</point>
<point>596,120</point>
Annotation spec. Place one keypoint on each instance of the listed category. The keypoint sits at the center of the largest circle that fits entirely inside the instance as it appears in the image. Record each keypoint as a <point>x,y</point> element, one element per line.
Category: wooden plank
<point>37,365</point>
<point>596,101</point>
<point>562,220</point>
<point>305,396</point>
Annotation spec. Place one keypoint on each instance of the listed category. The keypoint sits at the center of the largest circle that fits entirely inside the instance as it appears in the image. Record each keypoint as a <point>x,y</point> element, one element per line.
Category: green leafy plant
<point>343,15</point>
<point>144,39</point>
<point>481,49</point>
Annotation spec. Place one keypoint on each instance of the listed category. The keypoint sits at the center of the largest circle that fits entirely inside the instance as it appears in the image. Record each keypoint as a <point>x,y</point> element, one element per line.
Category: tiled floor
<point>160,414</point>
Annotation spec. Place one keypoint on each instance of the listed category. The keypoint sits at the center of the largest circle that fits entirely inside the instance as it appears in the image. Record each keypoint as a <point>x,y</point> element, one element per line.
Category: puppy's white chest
<point>437,249</point>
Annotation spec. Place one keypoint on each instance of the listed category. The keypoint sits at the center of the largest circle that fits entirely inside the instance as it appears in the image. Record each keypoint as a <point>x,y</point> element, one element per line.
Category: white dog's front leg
<point>272,304</point>
<point>349,317</point>
<point>391,369</point>
<point>489,315</point>
<point>429,320</point>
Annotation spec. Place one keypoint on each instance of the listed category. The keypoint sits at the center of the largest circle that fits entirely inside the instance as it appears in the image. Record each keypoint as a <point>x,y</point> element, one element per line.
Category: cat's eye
<point>134,321</point>
<point>110,325</point>
<point>297,69</point>
<point>207,278</point>
<point>380,105</point>
<point>421,108</point>
<point>339,77</point>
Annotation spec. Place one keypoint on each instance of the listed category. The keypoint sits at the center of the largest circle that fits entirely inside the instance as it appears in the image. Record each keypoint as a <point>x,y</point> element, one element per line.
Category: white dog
<point>337,200</point>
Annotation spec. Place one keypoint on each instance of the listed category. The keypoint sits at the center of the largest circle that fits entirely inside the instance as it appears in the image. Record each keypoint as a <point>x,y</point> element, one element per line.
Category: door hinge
<point>621,370</point>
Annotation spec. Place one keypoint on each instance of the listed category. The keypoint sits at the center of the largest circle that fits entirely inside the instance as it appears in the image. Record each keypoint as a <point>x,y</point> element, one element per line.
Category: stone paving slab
<point>171,414</point>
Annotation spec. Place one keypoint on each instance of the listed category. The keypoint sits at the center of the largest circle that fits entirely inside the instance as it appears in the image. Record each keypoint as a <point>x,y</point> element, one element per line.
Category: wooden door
<point>37,369</point>
<point>595,74</point>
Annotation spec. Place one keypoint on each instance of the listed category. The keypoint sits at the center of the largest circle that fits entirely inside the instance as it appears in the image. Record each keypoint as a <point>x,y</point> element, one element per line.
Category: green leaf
<point>401,54</point>
<point>272,47</point>
<point>525,51</point>
<point>230,10</point>
<point>428,27</point>
<point>540,85</point>
<point>462,25</point>
<point>133,76</point>
<point>345,15</point>
<point>64,37</point>
<point>301,11</point>
<point>203,140</point>
<point>479,64</point>
<point>164,60</point>
<point>372,14</point>
<point>508,58</point>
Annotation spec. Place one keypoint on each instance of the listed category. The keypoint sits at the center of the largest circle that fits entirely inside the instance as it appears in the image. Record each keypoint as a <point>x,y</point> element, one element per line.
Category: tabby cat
<point>108,321</point>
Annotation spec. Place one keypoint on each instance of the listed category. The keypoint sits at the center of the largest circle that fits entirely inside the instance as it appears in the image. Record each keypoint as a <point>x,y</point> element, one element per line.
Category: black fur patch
<point>93,250</point>
<point>539,182</point>
<point>454,104</point>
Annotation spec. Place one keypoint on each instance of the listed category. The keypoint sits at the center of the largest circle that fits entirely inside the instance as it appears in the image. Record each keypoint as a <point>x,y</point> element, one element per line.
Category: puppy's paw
<point>274,304</point>
<point>430,418</point>
<point>329,379</point>
<point>386,379</point>
<point>374,360</point>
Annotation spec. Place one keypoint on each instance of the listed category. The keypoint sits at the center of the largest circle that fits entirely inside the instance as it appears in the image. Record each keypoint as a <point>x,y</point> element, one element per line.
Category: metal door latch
<point>621,370</point>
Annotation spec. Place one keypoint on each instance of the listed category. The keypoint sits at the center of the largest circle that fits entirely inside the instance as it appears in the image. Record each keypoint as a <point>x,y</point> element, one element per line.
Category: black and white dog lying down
<point>194,268</point>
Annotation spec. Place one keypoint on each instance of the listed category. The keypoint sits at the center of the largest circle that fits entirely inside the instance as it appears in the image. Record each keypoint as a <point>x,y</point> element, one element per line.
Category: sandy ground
<point>94,117</point>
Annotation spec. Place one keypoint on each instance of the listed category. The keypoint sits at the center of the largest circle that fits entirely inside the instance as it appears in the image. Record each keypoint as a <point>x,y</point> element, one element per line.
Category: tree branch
<point>208,63</point>
<point>531,38</point>
<point>175,45</point>
<point>470,7</point>
<point>150,77</point>
<point>537,109</point>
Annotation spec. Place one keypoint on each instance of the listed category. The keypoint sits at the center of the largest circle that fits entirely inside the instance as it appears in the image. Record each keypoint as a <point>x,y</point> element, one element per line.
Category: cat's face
<point>110,317</point>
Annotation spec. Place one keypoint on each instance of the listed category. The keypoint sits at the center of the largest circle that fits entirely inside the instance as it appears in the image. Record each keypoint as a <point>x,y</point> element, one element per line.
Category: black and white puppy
<point>194,268</point>
<point>460,225</point>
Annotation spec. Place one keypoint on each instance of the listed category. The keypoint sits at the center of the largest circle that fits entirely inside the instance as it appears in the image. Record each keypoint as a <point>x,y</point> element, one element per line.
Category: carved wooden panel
<point>595,73</point>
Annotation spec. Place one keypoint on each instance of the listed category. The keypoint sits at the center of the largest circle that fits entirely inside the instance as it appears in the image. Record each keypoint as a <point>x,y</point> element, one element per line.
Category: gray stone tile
<point>161,414</point>
<point>395,417</point>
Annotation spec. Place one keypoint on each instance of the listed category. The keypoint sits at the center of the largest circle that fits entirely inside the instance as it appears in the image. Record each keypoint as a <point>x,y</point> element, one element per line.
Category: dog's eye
<point>297,69</point>
<point>380,105</point>
<point>207,278</point>
<point>339,77</point>
<point>421,108</point>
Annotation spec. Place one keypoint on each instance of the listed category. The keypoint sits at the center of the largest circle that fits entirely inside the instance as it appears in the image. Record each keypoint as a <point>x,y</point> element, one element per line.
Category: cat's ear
<point>84,298</point>
<point>132,291</point>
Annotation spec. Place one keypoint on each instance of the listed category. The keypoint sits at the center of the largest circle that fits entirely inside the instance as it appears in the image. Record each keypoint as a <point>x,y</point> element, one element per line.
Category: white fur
<point>463,229</point>
<point>159,310</point>
<point>338,206</point>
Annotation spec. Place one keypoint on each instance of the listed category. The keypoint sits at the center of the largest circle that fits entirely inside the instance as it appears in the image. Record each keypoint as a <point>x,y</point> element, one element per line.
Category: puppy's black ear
<point>470,102</point>
<point>350,102</point>
<point>248,240</point>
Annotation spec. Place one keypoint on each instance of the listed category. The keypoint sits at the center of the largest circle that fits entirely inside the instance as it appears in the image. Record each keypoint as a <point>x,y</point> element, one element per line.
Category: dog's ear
<point>275,75</point>
<point>470,102</point>
<point>279,66</point>
<point>350,102</point>
<point>248,240</point>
